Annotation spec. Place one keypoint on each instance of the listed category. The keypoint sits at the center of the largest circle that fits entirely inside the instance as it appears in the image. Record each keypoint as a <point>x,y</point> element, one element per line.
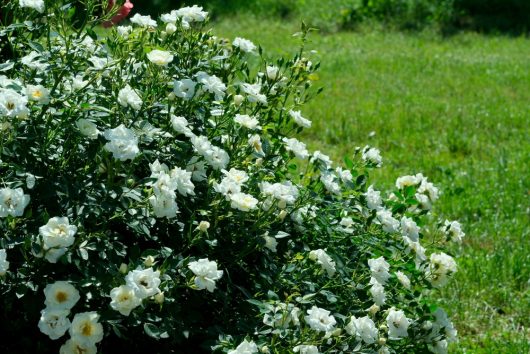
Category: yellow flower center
<point>86,329</point>
<point>61,230</point>
<point>61,296</point>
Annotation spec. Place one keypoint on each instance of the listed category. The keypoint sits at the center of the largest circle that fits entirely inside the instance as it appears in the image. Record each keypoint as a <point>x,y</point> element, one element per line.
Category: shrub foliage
<point>154,195</point>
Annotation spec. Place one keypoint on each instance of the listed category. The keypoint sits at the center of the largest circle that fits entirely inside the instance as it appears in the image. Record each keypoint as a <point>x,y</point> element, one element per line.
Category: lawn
<point>456,109</point>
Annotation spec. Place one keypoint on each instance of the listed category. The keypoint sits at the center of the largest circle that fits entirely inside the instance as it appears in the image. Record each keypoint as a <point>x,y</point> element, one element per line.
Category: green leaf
<point>360,181</point>
<point>6,66</point>
<point>166,252</point>
<point>255,302</point>
<point>348,162</point>
<point>272,295</point>
<point>37,46</point>
<point>83,253</point>
<point>410,191</point>
<point>151,330</point>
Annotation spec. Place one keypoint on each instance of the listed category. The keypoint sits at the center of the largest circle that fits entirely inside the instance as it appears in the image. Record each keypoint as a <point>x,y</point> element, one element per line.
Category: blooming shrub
<point>154,195</point>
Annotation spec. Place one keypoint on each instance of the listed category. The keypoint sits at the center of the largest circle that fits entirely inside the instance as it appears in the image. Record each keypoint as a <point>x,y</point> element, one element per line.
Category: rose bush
<point>154,197</point>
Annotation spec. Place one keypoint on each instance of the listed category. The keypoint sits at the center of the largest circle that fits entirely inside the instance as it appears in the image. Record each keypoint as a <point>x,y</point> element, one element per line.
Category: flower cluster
<point>84,329</point>
<point>156,160</point>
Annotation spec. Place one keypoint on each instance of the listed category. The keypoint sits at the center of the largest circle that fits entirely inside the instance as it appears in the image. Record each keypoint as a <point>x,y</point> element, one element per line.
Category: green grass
<point>458,110</point>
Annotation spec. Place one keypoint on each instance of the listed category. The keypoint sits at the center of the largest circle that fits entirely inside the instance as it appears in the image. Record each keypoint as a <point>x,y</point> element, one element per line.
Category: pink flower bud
<point>123,12</point>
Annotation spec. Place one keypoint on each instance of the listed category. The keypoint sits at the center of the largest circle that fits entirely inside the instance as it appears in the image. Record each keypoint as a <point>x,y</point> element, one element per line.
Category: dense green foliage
<point>446,15</point>
<point>495,15</point>
<point>455,109</point>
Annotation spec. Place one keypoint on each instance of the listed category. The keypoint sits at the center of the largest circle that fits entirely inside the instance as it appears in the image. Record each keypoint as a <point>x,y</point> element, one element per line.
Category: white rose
<point>217,158</point>
<point>253,92</point>
<point>387,221</point>
<point>143,21</point>
<point>12,202</point>
<point>255,142</point>
<point>124,299</point>
<point>191,14</point>
<point>73,346</point>
<point>54,323</point>
<point>247,121</point>
<point>397,324</point>
<point>378,292</point>
<point>123,143</point>
<point>13,105</point>
<point>38,94</point>
<point>85,328</point>
<point>409,228</point>
<point>243,201</point>
<point>320,320</point>
<point>272,72</point>
<point>244,44</point>
<point>372,155</point>
<point>440,268</point>
<point>124,31</point>
<point>379,268</point>
<point>171,28</point>
<point>37,5</point>
<point>184,88</point>
<point>30,180</point>
<point>296,147</point>
<point>183,181</point>
<point>245,347</point>
<point>322,258</point>
<point>203,226</point>
<point>128,97</point>
<point>164,205</point>
<point>212,84</point>
<point>159,298</point>
<point>363,328</point>
<point>61,295</point>
<point>403,279</point>
<point>306,349</point>
<point>238,100</point>
<point>58,233</point>
<point>206,273</point>
<point>87,128</point>
<point>53,254</point>
<point>160,57</point>
<point>144,282</point>
<point>298,119</point>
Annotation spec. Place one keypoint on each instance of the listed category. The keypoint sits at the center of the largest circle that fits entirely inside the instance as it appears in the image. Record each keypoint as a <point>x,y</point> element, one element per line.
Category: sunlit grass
<point>458,110</point>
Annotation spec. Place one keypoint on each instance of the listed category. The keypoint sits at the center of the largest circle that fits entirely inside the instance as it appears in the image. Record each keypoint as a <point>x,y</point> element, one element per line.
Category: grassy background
<point>506,16</point>
<point>456,109</point>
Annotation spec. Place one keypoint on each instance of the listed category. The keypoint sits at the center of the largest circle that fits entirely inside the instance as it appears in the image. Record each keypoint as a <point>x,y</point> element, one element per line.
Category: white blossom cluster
<point>139,285</point>
<point>167,184</point>
<point>84,329</point>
